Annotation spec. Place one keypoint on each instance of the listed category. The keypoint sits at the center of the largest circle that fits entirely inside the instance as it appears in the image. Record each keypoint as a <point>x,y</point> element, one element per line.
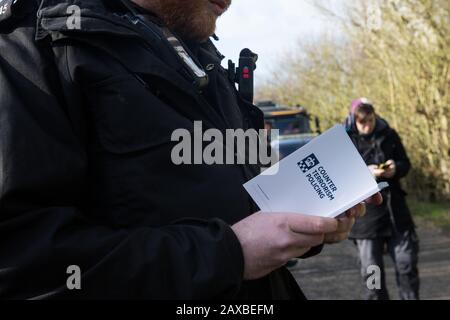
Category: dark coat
<point>86,176</point>
<point>380,221</point>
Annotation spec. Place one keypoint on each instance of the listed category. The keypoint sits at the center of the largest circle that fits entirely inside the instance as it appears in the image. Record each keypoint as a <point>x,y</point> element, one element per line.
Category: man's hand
<point>342,233</point>
<point>376,172</point>
<point>347,221</point>
<point>390,171</point>
<point>270,240</point>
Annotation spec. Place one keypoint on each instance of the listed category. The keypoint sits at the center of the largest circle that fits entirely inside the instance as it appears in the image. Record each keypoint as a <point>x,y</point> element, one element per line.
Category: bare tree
<point>395,52</point>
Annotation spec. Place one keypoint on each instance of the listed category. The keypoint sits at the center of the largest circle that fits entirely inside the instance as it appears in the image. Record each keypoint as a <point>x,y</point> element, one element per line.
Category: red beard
<point>192,19</point>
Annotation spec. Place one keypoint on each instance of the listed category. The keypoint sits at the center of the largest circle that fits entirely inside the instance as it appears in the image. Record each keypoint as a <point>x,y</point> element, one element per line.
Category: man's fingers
<point>357,211</point>
<point>299,252</point>
<point>336,237</point>
<point>345,225</point>
<point>360,210</point>
<point>299,240</point>
<point>312,225</point>
<point>376,199</point>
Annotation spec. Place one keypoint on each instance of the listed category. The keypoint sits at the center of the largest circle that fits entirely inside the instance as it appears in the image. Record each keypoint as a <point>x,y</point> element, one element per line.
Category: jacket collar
<point>108,18</point>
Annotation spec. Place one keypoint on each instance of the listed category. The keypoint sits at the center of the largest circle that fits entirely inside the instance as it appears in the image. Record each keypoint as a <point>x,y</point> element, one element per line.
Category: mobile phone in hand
<point>383,166</point>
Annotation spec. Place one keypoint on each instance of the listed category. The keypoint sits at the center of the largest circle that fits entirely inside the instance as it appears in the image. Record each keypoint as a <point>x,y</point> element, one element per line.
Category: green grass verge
<point>436,212</point>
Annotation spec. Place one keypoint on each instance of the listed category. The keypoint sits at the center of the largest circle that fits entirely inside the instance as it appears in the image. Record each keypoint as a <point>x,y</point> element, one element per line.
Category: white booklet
<point>324,178</point>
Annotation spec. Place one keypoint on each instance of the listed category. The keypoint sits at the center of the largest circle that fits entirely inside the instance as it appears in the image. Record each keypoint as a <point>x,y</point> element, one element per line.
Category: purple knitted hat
<point>359,102</point>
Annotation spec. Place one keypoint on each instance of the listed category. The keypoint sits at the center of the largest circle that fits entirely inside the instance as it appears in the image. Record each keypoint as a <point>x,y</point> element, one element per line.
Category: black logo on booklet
<point>308,163</point>
<point>319,179</point>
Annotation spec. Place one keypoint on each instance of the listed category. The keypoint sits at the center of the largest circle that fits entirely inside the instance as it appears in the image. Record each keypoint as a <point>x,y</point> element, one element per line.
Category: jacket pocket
<point>128,117</point>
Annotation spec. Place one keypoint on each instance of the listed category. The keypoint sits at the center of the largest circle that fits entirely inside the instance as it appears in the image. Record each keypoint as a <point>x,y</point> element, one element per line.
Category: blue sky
<point>269,28</point>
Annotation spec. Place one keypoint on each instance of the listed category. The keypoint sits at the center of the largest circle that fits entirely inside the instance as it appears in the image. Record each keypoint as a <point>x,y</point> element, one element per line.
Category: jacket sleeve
<point>44,220</point>
<point>400,157</point>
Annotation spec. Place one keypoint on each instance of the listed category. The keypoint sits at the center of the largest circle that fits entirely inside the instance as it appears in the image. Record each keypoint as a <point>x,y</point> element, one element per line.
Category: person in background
<point>389,225</point>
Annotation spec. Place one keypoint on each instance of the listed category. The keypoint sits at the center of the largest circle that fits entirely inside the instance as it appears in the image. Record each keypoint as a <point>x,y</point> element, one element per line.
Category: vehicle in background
<point>294,125</point>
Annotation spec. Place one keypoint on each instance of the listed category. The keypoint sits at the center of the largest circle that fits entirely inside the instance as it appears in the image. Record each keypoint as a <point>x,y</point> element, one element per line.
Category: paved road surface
<point>335,273</point>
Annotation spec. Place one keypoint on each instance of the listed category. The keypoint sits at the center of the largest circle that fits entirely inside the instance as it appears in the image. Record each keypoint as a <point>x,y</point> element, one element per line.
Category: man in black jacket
<point>91,93</point>
<point>390,224</point>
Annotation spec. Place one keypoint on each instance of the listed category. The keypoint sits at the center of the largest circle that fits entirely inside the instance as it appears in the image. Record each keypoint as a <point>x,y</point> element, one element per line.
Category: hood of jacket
<point>95,16</point>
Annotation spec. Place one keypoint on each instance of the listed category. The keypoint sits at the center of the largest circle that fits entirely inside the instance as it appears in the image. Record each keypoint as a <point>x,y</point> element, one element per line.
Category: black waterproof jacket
<point>86,177</point>
<point>393,215</point>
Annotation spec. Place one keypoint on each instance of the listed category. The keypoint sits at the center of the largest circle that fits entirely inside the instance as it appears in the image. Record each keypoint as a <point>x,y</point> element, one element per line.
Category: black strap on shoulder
<point>195,71</point>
